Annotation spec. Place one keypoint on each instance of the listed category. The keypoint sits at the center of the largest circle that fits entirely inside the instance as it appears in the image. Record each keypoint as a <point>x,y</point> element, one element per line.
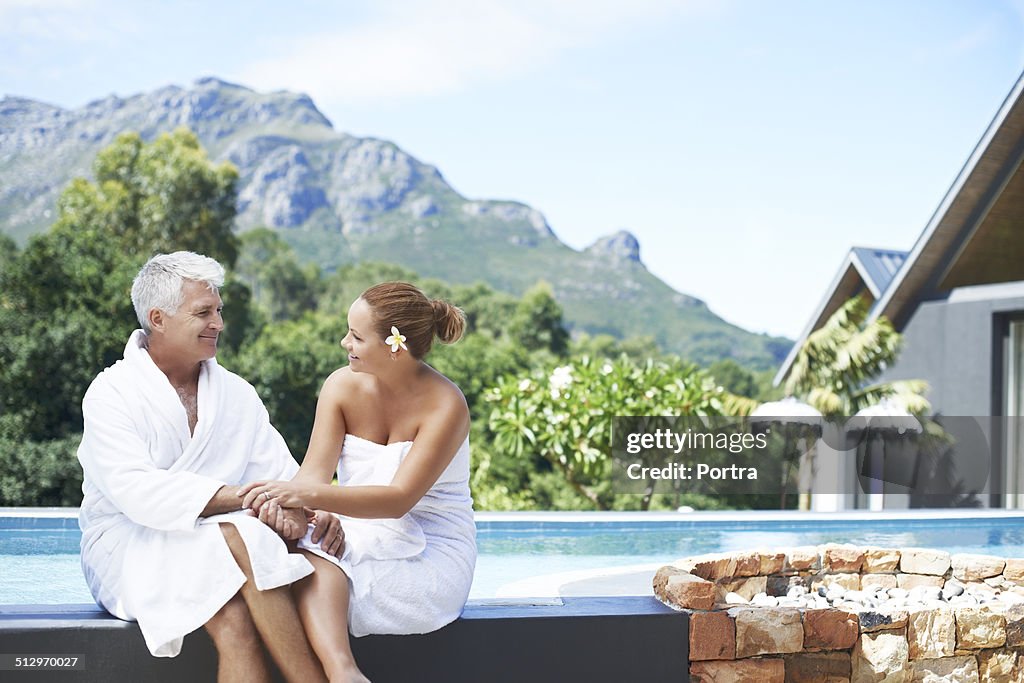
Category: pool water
<point>39,562</point>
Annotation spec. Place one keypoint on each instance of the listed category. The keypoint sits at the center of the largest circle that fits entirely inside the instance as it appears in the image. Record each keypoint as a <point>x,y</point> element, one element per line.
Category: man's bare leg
<point>240,655</point>
<point>322,599</point>
<point>276,619</point>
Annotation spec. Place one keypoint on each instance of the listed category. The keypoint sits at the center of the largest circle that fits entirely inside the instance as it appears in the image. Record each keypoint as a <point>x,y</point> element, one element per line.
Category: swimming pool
<point>539,554</point>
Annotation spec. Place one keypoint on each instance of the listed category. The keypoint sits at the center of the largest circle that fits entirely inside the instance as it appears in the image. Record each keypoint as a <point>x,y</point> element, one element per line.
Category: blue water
<point>39,564</point>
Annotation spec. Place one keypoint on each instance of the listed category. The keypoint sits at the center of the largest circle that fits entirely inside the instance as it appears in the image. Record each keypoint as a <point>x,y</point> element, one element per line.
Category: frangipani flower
<point>397,339</point>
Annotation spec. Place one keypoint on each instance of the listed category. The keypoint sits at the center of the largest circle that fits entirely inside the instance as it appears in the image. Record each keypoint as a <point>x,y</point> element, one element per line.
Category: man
<point>169,437</point>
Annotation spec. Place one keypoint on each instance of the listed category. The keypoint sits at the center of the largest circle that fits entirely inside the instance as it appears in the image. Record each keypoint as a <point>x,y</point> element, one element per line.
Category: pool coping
<point>67,514</point>
<point>634,515</point>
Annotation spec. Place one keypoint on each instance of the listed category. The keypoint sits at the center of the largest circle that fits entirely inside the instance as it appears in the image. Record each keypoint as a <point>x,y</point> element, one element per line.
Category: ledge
<point>585,638</point>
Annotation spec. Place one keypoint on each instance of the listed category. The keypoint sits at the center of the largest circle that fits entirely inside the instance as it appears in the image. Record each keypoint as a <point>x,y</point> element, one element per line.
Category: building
<point>958,298</point>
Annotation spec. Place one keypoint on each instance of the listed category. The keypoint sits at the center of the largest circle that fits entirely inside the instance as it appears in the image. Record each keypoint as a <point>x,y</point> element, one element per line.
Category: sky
<point>747,144</point>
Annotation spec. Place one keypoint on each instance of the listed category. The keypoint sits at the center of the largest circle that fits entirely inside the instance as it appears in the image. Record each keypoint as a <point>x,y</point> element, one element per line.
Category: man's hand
<point>289,523</point>
<point>327,531</point>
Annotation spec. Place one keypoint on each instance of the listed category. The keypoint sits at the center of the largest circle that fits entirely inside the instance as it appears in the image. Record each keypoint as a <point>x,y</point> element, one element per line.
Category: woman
<point>397,431</point>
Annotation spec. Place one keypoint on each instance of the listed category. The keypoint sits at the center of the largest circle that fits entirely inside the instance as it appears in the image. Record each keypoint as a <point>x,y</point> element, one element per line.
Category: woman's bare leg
<point>322,600</point>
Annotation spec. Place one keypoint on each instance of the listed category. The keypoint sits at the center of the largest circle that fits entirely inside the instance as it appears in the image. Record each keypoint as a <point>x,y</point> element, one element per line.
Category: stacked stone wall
<point>848,614</point>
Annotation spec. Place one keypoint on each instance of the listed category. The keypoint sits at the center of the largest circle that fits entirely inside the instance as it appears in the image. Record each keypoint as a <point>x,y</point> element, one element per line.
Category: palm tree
<point>836,365</point>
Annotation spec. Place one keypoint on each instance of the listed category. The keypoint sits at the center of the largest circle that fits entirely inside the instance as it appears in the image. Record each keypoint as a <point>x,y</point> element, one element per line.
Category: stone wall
<point>846,614</point>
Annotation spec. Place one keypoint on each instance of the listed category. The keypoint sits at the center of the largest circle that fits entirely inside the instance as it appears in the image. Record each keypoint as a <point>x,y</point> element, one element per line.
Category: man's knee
<point>233,538</point>
<point>237,547</point>
<point>232,626</point>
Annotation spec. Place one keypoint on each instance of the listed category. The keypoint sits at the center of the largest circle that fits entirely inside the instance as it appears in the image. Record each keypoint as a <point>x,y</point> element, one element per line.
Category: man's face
<point>192,332</point>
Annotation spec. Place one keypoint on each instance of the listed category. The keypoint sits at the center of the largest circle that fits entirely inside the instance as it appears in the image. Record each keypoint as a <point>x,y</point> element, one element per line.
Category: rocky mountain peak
<point>340,199</point>
<point>621,246</point>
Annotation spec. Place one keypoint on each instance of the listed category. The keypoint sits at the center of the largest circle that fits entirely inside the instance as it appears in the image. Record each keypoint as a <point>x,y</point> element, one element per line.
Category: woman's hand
<point>287,494</point>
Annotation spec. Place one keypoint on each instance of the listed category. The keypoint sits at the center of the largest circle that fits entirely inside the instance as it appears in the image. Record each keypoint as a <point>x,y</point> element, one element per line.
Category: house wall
<point>956,346</point>
<point>952,345</point>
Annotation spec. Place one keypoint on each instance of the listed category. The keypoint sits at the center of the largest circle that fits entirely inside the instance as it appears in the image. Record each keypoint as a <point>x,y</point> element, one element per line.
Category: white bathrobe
<point>146,554</point>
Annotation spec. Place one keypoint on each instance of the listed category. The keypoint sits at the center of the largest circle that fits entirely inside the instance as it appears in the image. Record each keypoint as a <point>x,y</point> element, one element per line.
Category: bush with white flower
<point>564,414</point>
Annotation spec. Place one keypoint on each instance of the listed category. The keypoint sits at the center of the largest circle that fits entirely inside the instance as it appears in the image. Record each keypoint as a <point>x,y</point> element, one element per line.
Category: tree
<point>158,197</point>
<point>348,282</point>
<point>66,316</point>
<point>834,369</point>
<point>536,323</point>
<point>8,251</point>
<point>486,310</point>
<point>280,285</point>
<point>287,364</point>
<point>65,307</point>
<point>734,378</point>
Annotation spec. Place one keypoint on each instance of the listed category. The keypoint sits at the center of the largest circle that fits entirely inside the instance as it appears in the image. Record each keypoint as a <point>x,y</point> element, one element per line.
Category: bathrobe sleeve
<point>116,459</point>
<point>269,457</point>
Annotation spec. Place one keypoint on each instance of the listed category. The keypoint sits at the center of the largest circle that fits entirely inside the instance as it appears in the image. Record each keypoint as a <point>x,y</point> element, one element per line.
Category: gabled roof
<point>863,269</point>
<point>975,236</point>
<point>965,242</point>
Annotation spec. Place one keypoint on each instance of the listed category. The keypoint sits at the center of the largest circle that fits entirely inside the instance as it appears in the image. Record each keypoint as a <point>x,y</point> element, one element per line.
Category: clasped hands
<point>279,505</point>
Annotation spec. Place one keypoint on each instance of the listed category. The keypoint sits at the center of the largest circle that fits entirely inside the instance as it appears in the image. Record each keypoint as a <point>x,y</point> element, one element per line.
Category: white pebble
<point>733,598</point>
<point>763,600</point>
<point>1011,598</point>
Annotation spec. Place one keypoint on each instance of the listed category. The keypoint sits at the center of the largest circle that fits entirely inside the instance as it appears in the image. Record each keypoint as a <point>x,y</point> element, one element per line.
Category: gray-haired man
<point>169,436</point>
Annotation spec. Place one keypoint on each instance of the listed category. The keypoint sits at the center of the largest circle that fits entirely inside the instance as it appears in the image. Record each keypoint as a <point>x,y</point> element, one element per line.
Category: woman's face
<point>365,349</point>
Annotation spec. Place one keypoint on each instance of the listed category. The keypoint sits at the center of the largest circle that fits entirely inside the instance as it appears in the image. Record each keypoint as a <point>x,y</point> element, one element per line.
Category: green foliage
<point>348,282</point>
<point>475,364</point>
<point>157,197</point>
<point>8,252</point>
<point>731,376</point>
<point>66,314</point>
<point>564,414</point>
<point>835,366</point>
<point>243,322</point>
<point>280,285</point>
<point>536,322</point>
<point>287,364</point>
<point>37,473</point>
<point>638,349</point>
<point>65,307</point>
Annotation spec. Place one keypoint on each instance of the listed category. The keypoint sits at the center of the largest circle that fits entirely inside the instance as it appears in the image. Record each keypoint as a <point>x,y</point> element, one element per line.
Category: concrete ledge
<point>585,639</point>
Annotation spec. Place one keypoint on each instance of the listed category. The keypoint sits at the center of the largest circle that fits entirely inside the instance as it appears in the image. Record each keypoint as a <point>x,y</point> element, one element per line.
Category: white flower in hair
<point>397,339</point>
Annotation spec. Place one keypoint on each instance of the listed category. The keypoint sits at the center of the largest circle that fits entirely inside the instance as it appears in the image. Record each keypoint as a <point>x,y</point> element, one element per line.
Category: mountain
<point>338,198</point>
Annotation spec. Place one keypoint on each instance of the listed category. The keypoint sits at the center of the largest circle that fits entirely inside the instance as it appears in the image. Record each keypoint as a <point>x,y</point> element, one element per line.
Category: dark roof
<point>864,270</point>
<point>878,267</point>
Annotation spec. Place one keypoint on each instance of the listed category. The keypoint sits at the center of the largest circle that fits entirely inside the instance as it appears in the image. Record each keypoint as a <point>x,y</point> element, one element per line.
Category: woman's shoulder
<point>446,393</point>
<point>343,382</point>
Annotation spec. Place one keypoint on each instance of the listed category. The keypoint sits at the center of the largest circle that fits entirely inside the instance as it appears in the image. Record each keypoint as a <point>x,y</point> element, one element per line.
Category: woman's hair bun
<point>449,321</point>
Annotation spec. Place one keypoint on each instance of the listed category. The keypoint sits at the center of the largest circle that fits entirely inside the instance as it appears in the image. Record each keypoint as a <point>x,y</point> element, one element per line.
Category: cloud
<point>76,21</point>
<point>425,48</point>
